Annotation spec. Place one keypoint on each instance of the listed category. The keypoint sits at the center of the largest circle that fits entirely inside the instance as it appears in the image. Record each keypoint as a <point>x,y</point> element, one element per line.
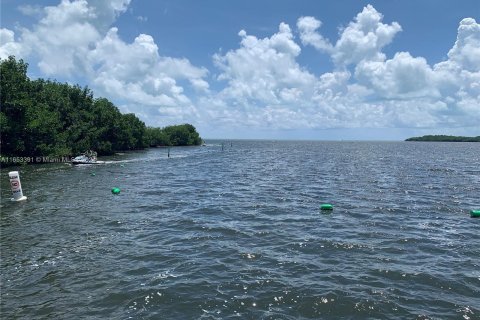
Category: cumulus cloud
<point>307,26</point>
<point>76,38</point>
<point>8,45</point>
<point>402,77</point>
<point>264,69</point>
<point>362,39</point>
<point>106,11</point>
<point>402,91</point>
<point>62,38</point>
<point>458,78</point>
<point>138,73</point>
<point>466,51</point>
<point>261,82</point>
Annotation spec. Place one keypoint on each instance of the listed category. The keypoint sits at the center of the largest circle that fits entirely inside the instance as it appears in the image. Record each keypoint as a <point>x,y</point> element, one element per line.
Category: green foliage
<point>444,138</point>
<point>14,85</point>
<point>47,118</point>
<point>178,135</point>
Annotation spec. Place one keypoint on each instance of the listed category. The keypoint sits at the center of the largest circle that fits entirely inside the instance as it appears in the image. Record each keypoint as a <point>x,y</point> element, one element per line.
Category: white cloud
<point>307,27</point>
<point>62,38</point>
<point>136,72</point>
<point>364,38</point>
<point>8,45</point>
<point>466,51</point>
<point>106,12</point>
<point>76,38</point>
<point>447,94</point>
<point>262,83</point>
<point>334,83</point>
<point>402,77</point>
<point>264,69</point>
<point>403,91</point>
<point>183,69</point>
<point>458,78</point>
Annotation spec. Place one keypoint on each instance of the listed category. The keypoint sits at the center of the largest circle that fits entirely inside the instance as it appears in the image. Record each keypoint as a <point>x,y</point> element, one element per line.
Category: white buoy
<point>16,186</point>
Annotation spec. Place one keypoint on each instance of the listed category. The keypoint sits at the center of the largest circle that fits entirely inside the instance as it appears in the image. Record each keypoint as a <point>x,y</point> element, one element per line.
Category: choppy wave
<point>212,234</point>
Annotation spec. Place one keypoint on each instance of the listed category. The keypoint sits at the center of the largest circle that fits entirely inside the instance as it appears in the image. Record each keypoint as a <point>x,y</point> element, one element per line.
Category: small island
<point>444,138</point>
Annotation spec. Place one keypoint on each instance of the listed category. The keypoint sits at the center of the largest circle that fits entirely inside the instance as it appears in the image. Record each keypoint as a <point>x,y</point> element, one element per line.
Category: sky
<point>268,69</point>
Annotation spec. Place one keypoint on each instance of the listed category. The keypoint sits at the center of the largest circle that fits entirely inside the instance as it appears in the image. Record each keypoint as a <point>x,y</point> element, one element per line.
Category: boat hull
<point>87,162</point>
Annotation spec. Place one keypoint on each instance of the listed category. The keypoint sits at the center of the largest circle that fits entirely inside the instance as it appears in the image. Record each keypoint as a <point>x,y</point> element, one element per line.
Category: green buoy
<point>93,174</point>
<point>475,213</point>
<point>115,190</point>
<point>326,206</point>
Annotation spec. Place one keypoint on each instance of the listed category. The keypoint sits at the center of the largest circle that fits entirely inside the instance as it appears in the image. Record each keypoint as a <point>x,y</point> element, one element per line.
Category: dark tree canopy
<point>444,138</point>
<point>47,118</point>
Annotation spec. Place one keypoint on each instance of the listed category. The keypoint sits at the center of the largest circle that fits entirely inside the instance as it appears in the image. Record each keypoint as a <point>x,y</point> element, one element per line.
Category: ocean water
<point>237,234</point>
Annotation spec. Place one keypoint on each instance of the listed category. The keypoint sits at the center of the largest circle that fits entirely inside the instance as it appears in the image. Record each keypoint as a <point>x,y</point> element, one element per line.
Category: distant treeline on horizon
<point>47,118</point>
<point>445,138</point>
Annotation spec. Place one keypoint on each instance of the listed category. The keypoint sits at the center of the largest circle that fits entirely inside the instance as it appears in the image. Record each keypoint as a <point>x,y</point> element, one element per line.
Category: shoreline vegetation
<point>444,138</point>
<point>51,119</point>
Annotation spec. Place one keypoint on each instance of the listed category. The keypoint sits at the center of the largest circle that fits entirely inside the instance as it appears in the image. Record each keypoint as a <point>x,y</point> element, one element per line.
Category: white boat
<point>89,157</point>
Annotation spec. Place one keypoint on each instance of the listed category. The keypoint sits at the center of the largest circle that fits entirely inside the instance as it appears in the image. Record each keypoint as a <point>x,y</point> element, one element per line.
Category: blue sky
<point>375,70</point>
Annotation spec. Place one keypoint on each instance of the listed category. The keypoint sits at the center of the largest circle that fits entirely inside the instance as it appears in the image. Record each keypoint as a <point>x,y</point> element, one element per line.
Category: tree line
<point>48,118</point>
<point>445,138</point>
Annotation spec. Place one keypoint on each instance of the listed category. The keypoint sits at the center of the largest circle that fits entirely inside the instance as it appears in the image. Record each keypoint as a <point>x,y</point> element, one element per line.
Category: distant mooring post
<point>14,177</point>
<point>168,152</point>
<point>222,146</point>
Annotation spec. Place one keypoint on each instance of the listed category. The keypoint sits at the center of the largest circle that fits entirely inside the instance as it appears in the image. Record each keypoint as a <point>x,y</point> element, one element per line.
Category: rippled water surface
<point>212,234</point>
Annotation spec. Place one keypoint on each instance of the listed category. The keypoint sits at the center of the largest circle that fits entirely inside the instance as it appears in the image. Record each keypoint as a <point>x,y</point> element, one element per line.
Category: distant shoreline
<point>444,138</point>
